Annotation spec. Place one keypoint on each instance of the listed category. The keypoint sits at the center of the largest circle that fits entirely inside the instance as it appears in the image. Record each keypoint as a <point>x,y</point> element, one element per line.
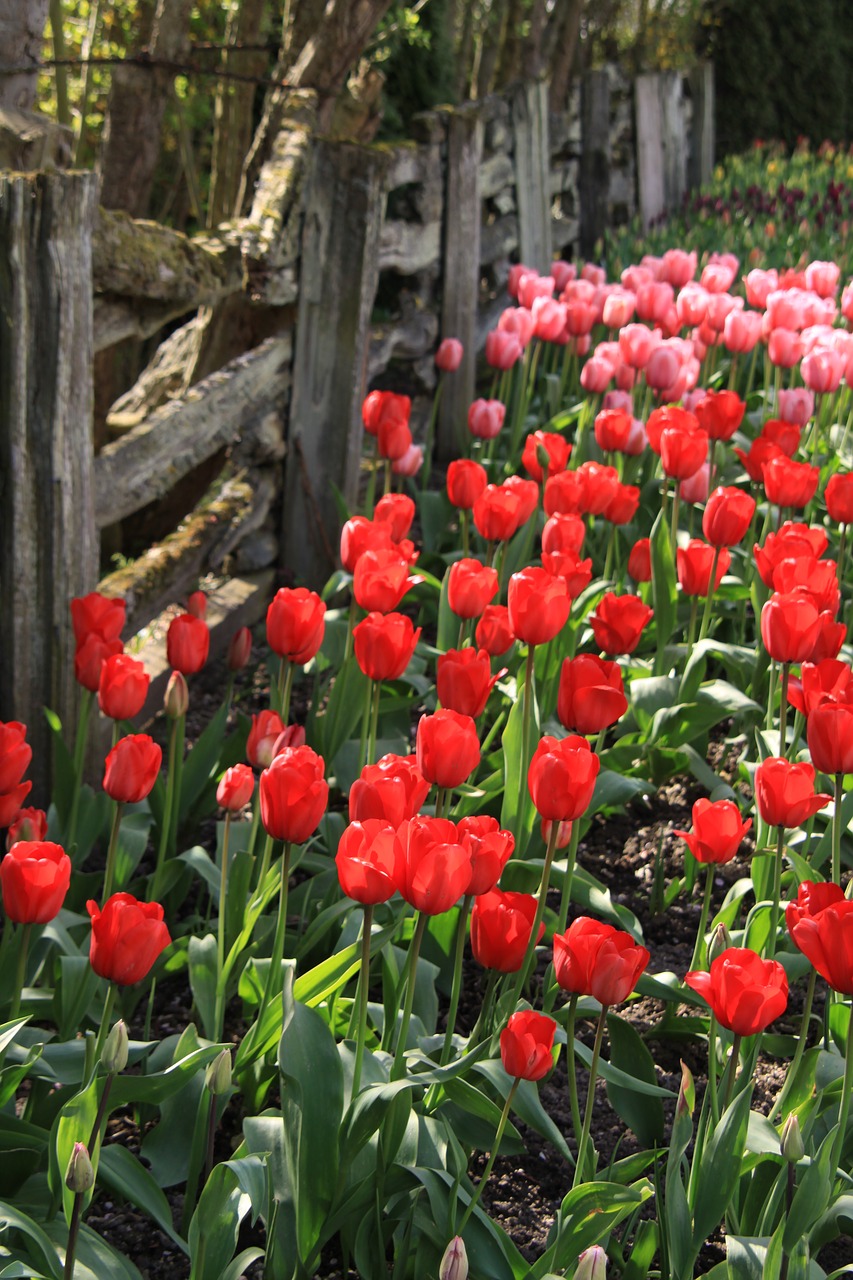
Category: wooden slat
<point>532,162</point>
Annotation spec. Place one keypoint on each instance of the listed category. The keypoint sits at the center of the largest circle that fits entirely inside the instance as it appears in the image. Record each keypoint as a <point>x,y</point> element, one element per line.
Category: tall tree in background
<point>22,25</point>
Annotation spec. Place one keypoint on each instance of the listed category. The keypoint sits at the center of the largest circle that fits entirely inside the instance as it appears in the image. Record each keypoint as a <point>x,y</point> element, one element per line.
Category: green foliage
<point>418,63</point>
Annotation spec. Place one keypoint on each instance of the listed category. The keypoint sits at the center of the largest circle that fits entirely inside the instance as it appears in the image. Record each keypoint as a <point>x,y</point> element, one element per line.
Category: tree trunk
<point>532,57</point>
<point>492,40</point>
<point>465,50</point>
<point>21,34</point>
<point>509,67</point>
<point>137,101</point>
<point>564,44</point>
<point>233,111</point>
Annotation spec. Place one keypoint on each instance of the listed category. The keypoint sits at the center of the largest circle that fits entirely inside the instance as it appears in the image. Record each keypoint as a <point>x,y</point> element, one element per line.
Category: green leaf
<point>664,582</point>
<point>448,623</point>
<point>94,1259</point>
<point>628,1053</point>
<point>202,763</point>
<point>43,1248</point>
<point>77,985</point>
<point>225,1201</point>
<point>720,1168</point>
<point>527,1105</point>
<point>121,1171</point>
<point>613,1075</point>
<point>63,768</point>
<point>344,708</point>
<point>515,769</point>
<point>586,1217</point>
<point>204,969</point>
<point>74,1123</point>
<point>812,1195</point>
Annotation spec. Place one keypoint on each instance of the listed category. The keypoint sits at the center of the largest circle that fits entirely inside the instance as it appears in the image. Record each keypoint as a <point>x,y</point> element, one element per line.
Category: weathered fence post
<point>48,545</point>
<point>594,182</point>
<point>461,268</point>
<point>701,80</point>
<point>661,143</point>
<point>344,205</point>
<point>532,174</point>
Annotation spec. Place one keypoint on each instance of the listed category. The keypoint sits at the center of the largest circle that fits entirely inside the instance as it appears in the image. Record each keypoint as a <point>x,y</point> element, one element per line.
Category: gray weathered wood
<point>340,252</point>
<point>461,268</point>
<point>31,141</point>
<point>21,40</point>
<point>661,143</point>
<point>139,259</point>
<point>409,247</point>
<point>532,162</point>
<point>702,130</point>
<point>144,464</point>
<point>594,181</point>
<point>48,546</point>
<point>409,338</point>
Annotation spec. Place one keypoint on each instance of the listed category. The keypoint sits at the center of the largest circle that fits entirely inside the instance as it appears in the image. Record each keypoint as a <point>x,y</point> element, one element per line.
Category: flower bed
<point>563,799</point>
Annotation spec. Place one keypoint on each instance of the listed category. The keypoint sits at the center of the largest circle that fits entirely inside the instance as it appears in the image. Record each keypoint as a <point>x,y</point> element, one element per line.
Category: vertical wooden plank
<point>674,138</point>
<point>594,184</point>
<point>702,131</point>
<point>650,154</point>
<point>48,544</point>
<point>344,205</point>
<point>461,267</point>
<point>529,105</point>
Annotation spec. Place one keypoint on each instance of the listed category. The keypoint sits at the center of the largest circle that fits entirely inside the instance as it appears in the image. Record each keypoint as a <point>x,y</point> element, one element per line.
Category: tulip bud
<point>240,649</point>
<point>848,892</point>
<point>791,1140</point>
<point>592,1264</point>
<point>197,604</point>
<point>686,1092</point>
<point>114,1054</point>
<point>177,697</point>
<point>217,1078</point>
<point>721,940</point>
<point>543,457</point>
<point>79,1176</point>
<point>454,1264</point>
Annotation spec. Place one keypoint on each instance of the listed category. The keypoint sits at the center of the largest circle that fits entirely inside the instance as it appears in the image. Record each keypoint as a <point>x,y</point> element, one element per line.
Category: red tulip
<point>830,637</point>
<point>826,939</point>
<point>384,644</point>
<point>717,831</point>
<point>599,487</point>
<point>618,623</point>
<point>11,801</point>
<point>591,695</point>
<point>392,790</point>
<point>448,357</point>
<point>789,627</point>
<point>490,848</point>
<point>830,737</point>
<point>791,542</point>
<point>127,938</point>
<point>493,632</point>
<point>122,687</point>
<point>745,992</point>
<point>447,748</point>
<point>838,496</point>
<point>294,794</point>
<point>563,532</point>
<point>546,453</point>
<point>464,680</point>
<point>485,418</point>
<point>432,868</point>
<point>296,623</point>
<point>785,794</point>
<point>466,480</point>
<point>131,768</point>
<point>538,605</point>
<point>240,649</point>
<point>396,511</point>
<point>565,494</point>
<point>15,754</point>
<point>381,579</point>
<point>669,416</point>
<point>365,860</point>
<point>594,959</point>
<point>498,513</point>
<point>267,726</point>
<point>357,535</point>
<point>817,579</point>
<point>470,587</point>
<point>526,1044</point>
<point>727,516</point>
<point>561,777</point>
<point>760,453</point>
<point>694,563</point>
<point>527,492</point>
<point>785,435</point>
<point>503,349</point>
<point>90,657</point>
<point>790,484</point>
<point>640,561</point>
<point>236,788</point>
<point>613,429</point>
<point>827,681</point>
<point>187,643</point>
<point>720,413</point>
<point>500,929</point>
<point>197,604</point>
<point>34,875</point>
<point>99,614</point>
<point>624,504</point>
<point>574,573</point>
<point>682,451</point>
<point>384,407</point>
<point>812,898</point>
<point>28,824</point>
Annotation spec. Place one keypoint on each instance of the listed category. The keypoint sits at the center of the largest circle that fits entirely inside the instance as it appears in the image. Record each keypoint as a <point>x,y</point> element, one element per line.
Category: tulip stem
<point>82,737</point>
<point>103,1030</point>
<point>706,614</point>
<point>703,918</point>
<point>771,697</point>
<point>524,764</point>
<point>484,1018</point>
<point>836,829</point>
<point>374,723</point>
<point>285,686</point>
<point>112,850</point>
<point>398,1066</point>
<point>570,1065</point>
<point>176,792</point>
<point>73,1230</point>
<point>20,971</point>
<point>844,1109</point>
<point>361,997</point>
<point>220,927</point>
<point>463,524</point>
<point>783,707</point>
<point>387,488</point>
<point>777,893</point>
<point>499,1133</point>
<point>456,989</point>
<point>281,922</point>
<point>265,866</point>
<point>673,528</point>
<point>371,483</point>
<point>527,963</point>
<point>571,858</point>
<point>166,822</point>
<point>712,1070</point>
<point>691,627</point>
<point>430,433</point>
<point>728,1081</point>
<point>590,1098</point>
<point>791,1073</point>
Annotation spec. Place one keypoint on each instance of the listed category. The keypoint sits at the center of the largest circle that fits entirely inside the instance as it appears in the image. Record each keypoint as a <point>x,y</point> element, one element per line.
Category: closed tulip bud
<point>791,1140</point>
<point>187,643</point>
<point>197,604</point>
<point>177,696</point>
<point>592,1264</point>
<point>721,940</point>
<point>454,1263</point>
<point>217,1077</point>
<point>240,649</point>
<point>448,357</point>
<point>79,1176</point>
<point>115,1051</point>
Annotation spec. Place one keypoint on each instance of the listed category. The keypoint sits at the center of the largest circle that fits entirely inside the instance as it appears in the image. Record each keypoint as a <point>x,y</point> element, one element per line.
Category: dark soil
<point>524,1191</point>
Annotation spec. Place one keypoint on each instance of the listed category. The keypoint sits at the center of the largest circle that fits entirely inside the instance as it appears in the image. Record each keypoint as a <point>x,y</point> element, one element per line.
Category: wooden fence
<point>358,258</point>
